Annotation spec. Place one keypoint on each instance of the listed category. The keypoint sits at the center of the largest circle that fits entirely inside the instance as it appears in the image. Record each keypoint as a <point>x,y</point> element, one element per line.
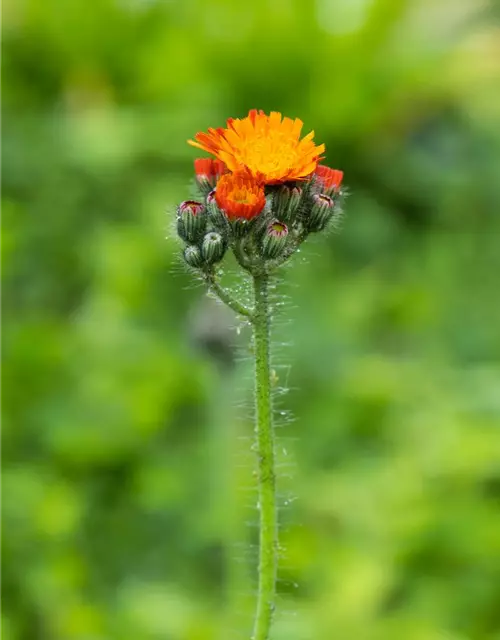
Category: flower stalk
<point>260,319</point>
<point>225,297</point>
<point>261,197</point>
<point>268,523</point>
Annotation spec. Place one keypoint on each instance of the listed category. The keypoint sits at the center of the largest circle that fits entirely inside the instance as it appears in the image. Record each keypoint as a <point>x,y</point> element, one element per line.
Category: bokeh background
<point>128,495</point>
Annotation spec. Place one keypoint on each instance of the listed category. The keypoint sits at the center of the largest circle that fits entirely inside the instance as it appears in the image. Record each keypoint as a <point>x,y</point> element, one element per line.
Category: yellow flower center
<point>242,196</point>
<point>270,153</point>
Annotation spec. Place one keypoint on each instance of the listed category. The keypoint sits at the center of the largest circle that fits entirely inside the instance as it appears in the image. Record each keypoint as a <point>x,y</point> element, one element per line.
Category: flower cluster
<point>261,194</point>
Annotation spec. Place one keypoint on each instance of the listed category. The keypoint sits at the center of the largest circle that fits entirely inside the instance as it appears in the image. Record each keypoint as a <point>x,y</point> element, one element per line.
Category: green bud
<point>286,202</point>
<point>241,227</point>
<point>275,239</point>
<point>191,220</point>
<point>217,217</point>
<point>321,213</point>
<point>213,247</point>
<point>192,256</point>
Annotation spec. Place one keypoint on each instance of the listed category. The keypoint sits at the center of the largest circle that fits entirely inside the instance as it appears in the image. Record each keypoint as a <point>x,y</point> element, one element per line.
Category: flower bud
<point>275,239</point>
<point>191,220</point>
<point>241,227</point>
<point>208,171</point>
<point>217,217</point>
<point>192,256</point>
<point>328,180</point>
<point>211,202</point>
<point>213,247</point>
<point>321,212</point>
<point>286,202</point>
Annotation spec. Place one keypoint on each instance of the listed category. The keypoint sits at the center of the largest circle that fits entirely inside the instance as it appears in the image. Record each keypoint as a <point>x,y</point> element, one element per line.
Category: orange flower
<point>239,196</point>
<point>267,148</point>
<point>329,179</point>
<point>208,170</point>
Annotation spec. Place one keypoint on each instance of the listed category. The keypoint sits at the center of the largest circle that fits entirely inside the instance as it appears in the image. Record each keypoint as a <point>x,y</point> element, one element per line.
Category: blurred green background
<point>128,503</point>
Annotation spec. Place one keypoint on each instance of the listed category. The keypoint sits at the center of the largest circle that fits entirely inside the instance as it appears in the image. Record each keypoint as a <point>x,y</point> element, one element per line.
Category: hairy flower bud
<point>211,201</point>
<point>286,202</point>
<point>217,217</point>
<point>213,247</point>
<point>328,180</point>
<point>191,220</point>
<point>242,228</point>
<point>275,239</point>
<point>192,256</point>
<point>321,212</point>
<point>208,171</point>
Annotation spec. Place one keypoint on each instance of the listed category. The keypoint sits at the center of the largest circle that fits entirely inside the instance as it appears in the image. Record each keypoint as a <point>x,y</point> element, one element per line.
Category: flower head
<point>190,207</point>
<point>213,247</point>
<point>286,202</point>
<point>265,147</point>
<point>277,229</point>
<point>191,220</point>
<point>321,212</point>
<point>275,239</point>
<point>208,171</point>
<point>192,256</point>
<point>321,200</point>
<point>239,196</point>
<point>329,179</point>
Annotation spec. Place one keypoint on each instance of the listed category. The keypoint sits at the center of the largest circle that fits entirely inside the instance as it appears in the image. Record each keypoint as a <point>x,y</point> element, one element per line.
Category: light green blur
<point>128,504</point>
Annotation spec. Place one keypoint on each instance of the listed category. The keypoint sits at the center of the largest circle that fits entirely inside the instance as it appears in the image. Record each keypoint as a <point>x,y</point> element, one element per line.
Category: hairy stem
<point>226,297</point>
<point>268,531</point>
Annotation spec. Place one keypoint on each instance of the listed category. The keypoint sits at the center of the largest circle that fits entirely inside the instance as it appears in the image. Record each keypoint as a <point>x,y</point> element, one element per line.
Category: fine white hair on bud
<point>216,217</point>
<point>192,256</point>
<point>275,239</point>
<point>286,202</point>
<point>191,220</point>
<point>264,225</point>
<point>321,212</point>
<point>213,247</point>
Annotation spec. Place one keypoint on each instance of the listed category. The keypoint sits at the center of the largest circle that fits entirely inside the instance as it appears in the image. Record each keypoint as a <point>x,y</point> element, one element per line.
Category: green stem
<point>226,297</point>
<point>268,538</point>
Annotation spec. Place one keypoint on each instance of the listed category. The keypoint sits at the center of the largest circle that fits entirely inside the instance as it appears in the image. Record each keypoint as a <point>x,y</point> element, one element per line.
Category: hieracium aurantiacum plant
<point>260,196</point>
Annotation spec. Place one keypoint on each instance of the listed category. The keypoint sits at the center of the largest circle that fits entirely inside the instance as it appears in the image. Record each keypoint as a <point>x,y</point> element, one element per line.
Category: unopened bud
<point>213,247</point>
<point>286,202</point>
<point>321,212</point>
<point>208,171</point>
<point>192,256</point>
<point>275,239</point>
<point>217,217</point>
<point>211,202</point>
<point>328,180</point>
<point>242,227</point>
<point>191,220</point>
